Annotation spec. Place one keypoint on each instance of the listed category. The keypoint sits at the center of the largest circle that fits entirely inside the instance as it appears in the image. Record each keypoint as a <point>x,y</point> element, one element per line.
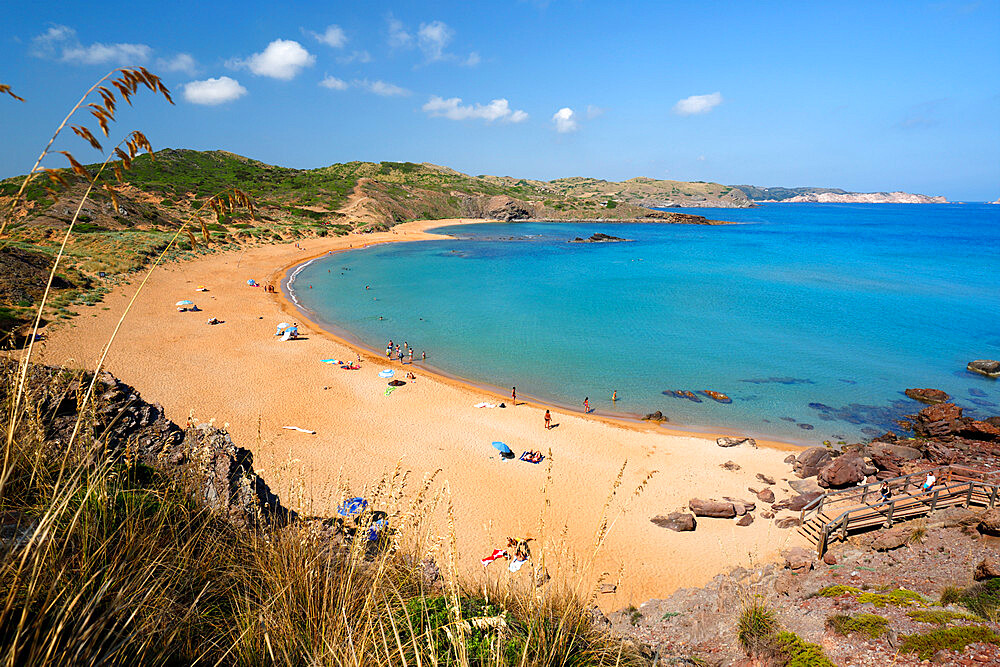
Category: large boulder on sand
<point>718,509</point>
<point>809,462</point>
<point>796,503</point>
<point>928,396</point>
<point>987,367</point>
<point>765,496</point>
<point>842,471</point>
<point>677,521</point>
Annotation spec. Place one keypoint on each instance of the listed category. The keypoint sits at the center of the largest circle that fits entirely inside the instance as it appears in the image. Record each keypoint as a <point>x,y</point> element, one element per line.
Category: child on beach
<point>548,420</point>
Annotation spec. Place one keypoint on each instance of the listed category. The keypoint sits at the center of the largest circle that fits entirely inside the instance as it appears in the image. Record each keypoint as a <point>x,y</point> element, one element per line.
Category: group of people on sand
<point>403,354</point>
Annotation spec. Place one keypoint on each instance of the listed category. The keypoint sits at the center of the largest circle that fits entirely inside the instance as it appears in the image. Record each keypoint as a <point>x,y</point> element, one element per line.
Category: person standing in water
<point>411,356</point>
<point>586,405</point>
<point>423,355</point>
<point>513,396</point>
<point>614,396</point>
<point>548,420</point>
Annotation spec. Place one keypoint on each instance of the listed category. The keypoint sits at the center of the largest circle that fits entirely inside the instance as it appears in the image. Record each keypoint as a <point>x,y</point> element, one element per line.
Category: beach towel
<point>331,361</point>
<point>527,461</point>
<point>497,554</point>
<point>287,335</point>
<point>389,390</point>
<point>484,405</point>
<point>515,565</point>
<point>300,430</point>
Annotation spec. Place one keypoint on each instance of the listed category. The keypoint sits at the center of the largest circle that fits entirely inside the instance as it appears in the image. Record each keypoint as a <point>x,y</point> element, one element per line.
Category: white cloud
<point>333,83</point>
<point>697,104</point>
<point>213,91</point>
<point>333,36</point>
<point>594,112</point>
<point>433,37</point>
<point>356,56</point>
<point>282,59</point>
<point>701,158</point>
<point>565,120</point>
<point>472,60</point>
<point>382,88</point>
<point>453,108</point>
<point>61,43</point>
<point>182,62</point>
<point>398,35</point>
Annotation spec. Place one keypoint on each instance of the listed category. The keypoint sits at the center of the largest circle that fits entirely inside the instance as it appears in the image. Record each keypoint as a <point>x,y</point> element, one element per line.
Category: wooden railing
<point>900,484</point>
<point>907,506</point>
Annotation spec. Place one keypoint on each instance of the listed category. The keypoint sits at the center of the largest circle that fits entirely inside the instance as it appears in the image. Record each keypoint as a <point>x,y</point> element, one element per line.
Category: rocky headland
<point>599,238</point>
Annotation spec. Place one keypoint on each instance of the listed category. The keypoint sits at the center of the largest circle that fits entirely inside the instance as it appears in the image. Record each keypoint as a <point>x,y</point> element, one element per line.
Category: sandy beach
<point>239,374</point>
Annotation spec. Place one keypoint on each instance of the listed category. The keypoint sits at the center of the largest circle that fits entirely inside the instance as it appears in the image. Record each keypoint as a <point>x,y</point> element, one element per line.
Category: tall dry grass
<point>106,561</point>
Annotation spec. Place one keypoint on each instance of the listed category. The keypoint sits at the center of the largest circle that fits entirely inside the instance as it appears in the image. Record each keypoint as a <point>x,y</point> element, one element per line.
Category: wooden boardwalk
<point>837,514</point>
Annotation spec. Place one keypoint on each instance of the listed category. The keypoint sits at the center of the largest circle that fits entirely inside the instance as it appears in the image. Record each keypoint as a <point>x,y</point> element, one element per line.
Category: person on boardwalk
<point>548,420</point>
<point>513,396</point>
<point>929,482</point>
<point>586,405</point>
<point>885,491</point>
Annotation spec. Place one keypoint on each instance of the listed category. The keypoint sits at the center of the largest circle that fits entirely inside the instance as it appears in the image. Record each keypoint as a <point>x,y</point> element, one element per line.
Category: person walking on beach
<point>513,396</point>
<point>410,356</point>
<point>586,405</point>
<point>548,420</point>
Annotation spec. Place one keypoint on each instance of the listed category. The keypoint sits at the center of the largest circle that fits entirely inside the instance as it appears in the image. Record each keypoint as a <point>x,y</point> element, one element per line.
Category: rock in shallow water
<point>987,367</point>
<point>928,396</point>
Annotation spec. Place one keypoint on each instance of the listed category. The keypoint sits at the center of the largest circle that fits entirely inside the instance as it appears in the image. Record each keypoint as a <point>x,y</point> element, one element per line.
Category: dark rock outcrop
<point>745,520</point>
<point>656,417</point>
<point>989,522</point>
<point>938,420</point>
<point>502,207</point>
<point>735,442</point>
<point>765,496</point>
<point>201,457</point>
<point>676,521</point>
<point>796,503</point>
<point>599,238</point>
<point>988,367</point>
<point>988,568</point>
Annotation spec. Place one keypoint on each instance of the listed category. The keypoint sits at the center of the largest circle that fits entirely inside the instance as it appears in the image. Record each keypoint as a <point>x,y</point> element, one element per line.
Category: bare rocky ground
<point>700,623</point>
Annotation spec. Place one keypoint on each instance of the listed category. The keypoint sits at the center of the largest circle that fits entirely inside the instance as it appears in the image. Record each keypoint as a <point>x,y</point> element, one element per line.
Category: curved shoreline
<point>289,304</point>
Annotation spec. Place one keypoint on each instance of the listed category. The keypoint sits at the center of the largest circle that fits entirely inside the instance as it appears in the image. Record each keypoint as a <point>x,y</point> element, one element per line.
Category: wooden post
<point>892,508</point>
<point>968,496</point>
<point>821,543</point>
<point>934,500</point>
<point>843,527</point>
<point>993,497</point>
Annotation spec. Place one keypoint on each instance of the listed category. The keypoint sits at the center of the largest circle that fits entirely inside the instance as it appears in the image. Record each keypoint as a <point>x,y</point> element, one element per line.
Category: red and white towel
<point>497,554</point>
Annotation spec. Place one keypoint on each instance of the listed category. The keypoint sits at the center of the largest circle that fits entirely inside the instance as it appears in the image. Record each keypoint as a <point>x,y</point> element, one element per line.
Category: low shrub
<point>899,597</point>
<point>951,595</point>
<point>927,644</point>
<point>870,625</point>
<point>796,652</point>
<point>983,599</point>
<point>938,616</point>
<point>757,627</point>
<point>837,590</point>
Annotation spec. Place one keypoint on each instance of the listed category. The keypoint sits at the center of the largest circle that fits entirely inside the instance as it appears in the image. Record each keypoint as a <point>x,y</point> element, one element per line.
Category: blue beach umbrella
<point>185,302</point>
<point>387,373</point>
<point>352,506</point>
<point>502,447</point>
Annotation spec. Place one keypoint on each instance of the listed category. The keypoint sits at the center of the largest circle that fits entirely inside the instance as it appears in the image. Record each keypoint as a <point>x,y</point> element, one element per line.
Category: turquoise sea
<point>813,318</point>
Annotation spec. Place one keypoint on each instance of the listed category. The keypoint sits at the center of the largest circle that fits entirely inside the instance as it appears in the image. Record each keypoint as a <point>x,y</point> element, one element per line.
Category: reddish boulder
<point>987,367</point>
<point>989,522</point>
<point>842,471</point>
<point>811,461</point>
<point>765,496</point>
<point>981,430</point>
<point>745,520</point>
<point>798,559</point>
<point>938,420</point>
<point>988,568</point>
<point>787,522</point>
<point>928,396</point>
<point>676,521</point>
<point>796,503</point>
<point>718,509</point>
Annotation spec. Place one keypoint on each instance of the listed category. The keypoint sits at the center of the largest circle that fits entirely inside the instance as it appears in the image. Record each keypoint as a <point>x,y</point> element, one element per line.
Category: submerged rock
<point>599,238</point>
<point>656,417</point>
<point>928,396</point>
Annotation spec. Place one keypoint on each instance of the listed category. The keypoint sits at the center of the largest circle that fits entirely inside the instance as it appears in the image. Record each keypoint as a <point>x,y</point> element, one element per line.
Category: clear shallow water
<point>808,314</point>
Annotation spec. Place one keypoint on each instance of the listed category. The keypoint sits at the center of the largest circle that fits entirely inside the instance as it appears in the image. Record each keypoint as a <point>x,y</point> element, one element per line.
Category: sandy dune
<point>240,374</point>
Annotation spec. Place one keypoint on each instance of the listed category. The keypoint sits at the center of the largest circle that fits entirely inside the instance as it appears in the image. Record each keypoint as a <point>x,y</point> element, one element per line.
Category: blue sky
<point>860,95</point>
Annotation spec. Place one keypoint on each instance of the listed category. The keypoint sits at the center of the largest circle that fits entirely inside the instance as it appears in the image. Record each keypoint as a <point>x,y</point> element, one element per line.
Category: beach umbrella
<point>502,447</point>
<point>284,325</point>
<point>185,302</point>
<point>387,373</point>
<point>251,282</point>
<point>352,506</point>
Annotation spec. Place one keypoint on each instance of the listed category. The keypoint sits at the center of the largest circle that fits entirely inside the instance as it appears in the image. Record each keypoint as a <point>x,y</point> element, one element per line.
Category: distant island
<point>832,196</point>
